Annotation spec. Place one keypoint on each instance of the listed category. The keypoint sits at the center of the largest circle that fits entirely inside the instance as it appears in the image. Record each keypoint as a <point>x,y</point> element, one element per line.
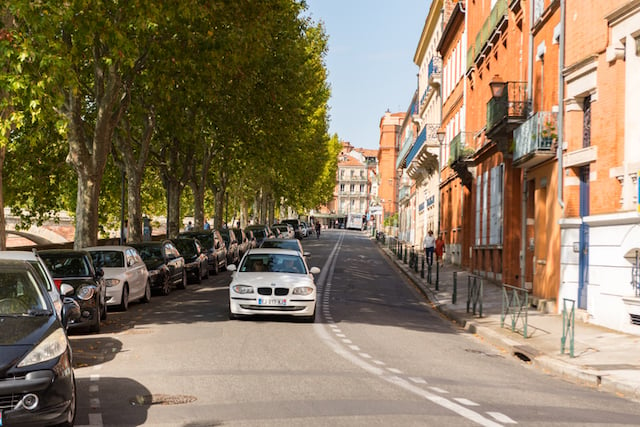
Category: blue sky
<point>370,61</point>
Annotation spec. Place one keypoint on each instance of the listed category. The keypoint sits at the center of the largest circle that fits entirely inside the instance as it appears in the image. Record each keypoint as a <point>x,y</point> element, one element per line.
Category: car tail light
<point>57,282</point>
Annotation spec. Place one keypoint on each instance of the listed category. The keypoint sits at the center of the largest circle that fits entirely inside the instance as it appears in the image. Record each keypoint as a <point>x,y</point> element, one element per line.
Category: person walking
<point>429,244</point>
<point>439,250</point>
<point>318,226</point>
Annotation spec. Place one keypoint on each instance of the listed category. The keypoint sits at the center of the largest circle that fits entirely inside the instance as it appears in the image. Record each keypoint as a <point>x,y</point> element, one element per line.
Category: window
<point>478,208</point>
<point>495,209</point>
<point>485,197</point>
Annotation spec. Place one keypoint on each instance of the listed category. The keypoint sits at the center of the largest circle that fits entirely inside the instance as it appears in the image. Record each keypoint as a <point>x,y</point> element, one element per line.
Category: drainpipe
<point>561,107</point>
<point>525,186</point>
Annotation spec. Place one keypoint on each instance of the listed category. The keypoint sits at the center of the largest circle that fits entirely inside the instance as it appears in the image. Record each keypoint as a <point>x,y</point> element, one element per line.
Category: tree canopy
<point>220,98</point>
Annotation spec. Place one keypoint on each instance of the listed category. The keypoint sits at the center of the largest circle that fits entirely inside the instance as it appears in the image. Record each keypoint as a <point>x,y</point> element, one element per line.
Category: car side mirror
<point>99,272</point>
<point>307,254</point>
<point>70,311</point>
<point>314,270</point>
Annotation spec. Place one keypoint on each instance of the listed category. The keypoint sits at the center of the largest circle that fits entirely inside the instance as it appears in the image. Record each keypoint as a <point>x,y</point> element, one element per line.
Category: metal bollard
<point>422,270</point>
<point>454,295</point>
<point>437,276</point>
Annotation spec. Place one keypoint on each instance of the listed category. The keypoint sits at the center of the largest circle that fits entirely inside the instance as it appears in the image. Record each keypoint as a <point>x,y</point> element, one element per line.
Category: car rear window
<point>108,259</point>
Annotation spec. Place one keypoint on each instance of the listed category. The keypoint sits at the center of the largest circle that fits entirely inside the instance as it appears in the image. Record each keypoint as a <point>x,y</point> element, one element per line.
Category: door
<point>583,256</point>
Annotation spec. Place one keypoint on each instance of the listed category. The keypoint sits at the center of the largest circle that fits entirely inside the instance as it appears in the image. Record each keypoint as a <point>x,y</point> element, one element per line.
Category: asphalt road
<point>378,355</point>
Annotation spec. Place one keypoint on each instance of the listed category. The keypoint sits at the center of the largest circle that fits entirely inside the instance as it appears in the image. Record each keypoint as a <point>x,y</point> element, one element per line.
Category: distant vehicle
<point>164,263</point>
<point>260,232</point>
<point>286,230</point>
<point>354,222</point>
<point>243,241</point>
<point>37,382</point>
<point>273,281</point>
<point>293,244</point>
<point>125,274</point>
<point>76,268</point>
<point>299,231</point>
<point>195,258</point>
<point>230,240</point>
<point>213,243</point>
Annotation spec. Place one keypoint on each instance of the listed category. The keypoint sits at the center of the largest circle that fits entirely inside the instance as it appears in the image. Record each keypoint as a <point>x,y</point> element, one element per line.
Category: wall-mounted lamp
<point>440,134</point>
<point>497,86</point>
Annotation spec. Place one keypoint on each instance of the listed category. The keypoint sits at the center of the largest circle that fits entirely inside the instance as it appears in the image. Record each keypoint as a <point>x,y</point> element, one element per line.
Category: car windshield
<point>275,263</point>
<point>150,253</point>
<point>66,265</point>
<point>20,294</point>
<point>108,259</point>
<point>185,247</point>
<point>259,233</point>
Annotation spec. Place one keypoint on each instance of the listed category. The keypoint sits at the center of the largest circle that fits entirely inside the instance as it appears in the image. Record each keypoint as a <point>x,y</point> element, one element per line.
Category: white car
<point>273,281</point>
<point>41,268</point>
<point>125,274</point>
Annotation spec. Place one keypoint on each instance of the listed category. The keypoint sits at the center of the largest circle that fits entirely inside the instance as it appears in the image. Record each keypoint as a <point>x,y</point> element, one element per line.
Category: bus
<point>355,222</point>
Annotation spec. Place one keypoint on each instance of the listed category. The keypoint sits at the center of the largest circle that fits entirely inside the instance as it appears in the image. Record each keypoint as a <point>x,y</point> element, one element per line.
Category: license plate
<point>272,301</point>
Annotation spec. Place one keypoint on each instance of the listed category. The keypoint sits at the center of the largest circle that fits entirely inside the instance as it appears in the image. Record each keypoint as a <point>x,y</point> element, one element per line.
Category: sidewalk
<point>603,359</point>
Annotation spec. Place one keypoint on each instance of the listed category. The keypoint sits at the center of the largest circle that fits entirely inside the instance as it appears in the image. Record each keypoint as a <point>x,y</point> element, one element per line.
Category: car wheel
<point>103,315</point>
<point>124,304</point>
<point>95,326</point>
<point>198,275</point>
<point>166,287</point>
<point>71,415</point>
<point>206,270</point>
<point>224,266</point>
<point>183,284</point>
<point>147,293</point>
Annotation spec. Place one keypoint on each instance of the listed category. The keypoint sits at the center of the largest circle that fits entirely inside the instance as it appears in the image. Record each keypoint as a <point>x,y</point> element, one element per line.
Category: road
<point>378,355</point>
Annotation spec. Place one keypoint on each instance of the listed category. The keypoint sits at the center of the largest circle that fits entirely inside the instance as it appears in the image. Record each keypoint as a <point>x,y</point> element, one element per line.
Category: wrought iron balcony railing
<point>435,70</point>
<point>461,147</point>
<point>509,108</point>
<point>498,15</point>
<point>536,135</point>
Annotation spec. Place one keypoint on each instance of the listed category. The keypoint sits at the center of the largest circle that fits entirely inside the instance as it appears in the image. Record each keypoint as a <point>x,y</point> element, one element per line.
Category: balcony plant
<point>548,134</point>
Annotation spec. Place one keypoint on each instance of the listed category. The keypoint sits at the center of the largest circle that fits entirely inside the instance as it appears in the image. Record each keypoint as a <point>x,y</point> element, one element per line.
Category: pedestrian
<point>146,228</point>
<point>440,250</point>
<point>207,226</point>
<point>429,244</point>
<point>318,226</point>
<point>189,226</point>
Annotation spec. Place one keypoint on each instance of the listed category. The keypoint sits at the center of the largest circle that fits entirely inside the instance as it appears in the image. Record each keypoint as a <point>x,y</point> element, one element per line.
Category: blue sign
<point>431,201</point>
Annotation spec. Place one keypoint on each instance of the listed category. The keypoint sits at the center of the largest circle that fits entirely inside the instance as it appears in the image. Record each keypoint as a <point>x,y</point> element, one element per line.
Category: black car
<point>230,240</point>
<point>195,258</point>
<point>243,241</point>
<point>260,232</point>
<point>76,269</point>
<point>213,243</point>
<point>253,242</point>
<point>37,383</point>
<point>165,265</point>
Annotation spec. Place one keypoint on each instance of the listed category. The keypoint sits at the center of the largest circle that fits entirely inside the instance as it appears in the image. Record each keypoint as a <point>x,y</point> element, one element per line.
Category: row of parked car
<point>45,293</point>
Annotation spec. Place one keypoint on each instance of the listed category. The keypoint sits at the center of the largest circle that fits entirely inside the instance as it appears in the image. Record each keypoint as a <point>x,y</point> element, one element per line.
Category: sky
<point>369,61</point>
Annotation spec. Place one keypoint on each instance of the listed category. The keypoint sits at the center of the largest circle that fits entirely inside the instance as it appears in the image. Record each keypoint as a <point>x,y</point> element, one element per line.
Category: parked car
<point>231,242</point>
<point>212,242</point>
<point>260,232</point>
<point>293,244</point>
<point>164,263</point>
<point>195,258</point>
<point>37,382</point>
<point>273,281</point>
<point>76,269</point>
<point>40,267</point>
<point>125,274</point>
<point>243,241</point>
<point>286,230</point>
<point>300,233</point>
<point>253,242</point>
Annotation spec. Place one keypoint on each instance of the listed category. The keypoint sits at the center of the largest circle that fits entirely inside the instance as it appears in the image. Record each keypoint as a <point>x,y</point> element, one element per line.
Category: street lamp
<point>440,134</point>
<point>497,86</point>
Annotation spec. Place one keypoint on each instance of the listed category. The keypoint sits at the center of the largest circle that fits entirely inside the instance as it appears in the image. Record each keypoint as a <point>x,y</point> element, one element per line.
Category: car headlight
<point>242,289</point>
<point>51,347</point>
<point>86,292</point>
<point>302,290</point>
<point>112,282</point>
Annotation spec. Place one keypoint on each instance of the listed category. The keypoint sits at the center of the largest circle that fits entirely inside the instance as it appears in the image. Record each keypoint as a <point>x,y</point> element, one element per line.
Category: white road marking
<point>94,403</point>
<point>354,347</point>
<point>465,402</point>
<point>501,418</point>
<point>365,355</point>
<point>395,370</point>
<point>439,390</point>
<point>93,388</point>
<point>95,419</point>
<point>94,377</point>
<point>417,380</point>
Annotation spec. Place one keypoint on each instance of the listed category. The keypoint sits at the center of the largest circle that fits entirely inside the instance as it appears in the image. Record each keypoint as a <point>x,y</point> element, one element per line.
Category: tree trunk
<point>219,206</point>
<point>87,210</point>
<point>134,205</point>
<point>198,206</point>
<point>3,221</point>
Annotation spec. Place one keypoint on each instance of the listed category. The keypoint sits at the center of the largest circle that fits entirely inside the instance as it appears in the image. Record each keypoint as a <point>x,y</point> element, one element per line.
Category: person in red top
<point>439,249</point>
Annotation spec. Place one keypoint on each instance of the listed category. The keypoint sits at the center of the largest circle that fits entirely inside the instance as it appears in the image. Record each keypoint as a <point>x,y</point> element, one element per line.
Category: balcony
<point>488,32</point>
<point>535,139</point>
<point>435,71</point>
<point>507,112</point>
<point>461,157</point>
